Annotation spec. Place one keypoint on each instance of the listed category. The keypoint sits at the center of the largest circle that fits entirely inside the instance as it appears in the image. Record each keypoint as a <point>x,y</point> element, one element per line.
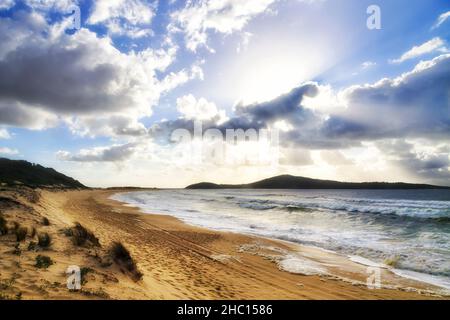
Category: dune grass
<point>122,257</point>
<point>43,262</point>
<point>44,240</point>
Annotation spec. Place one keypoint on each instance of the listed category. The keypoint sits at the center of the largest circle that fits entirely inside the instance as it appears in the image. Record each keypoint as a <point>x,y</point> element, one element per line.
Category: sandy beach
<point>176,260</point>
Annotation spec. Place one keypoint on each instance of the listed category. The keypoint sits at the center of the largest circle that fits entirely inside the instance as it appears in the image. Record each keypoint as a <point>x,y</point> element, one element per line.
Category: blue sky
<point>88,101</point>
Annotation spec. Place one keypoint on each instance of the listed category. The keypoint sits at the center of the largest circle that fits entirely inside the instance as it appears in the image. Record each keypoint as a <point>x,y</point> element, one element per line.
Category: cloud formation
<point>285,107</point>
<point>8,151</point>
<point>197,18</point>
<point>6,4</point>
<point>198,109</point>
<point>47,75</point>
<point>107,85</point>
<point>265,115</point>
<point>132,18</point>
<point>426,164</point>
<point>4,134</point>
<point>415,104</point>
<point>114,153</point>
<point>47,5</point>
<point>441,19</point>
<point>433,45</point>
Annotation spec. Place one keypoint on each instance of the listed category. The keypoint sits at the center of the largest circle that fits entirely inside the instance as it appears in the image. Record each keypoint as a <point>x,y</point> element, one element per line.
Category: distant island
<point>293,182</point>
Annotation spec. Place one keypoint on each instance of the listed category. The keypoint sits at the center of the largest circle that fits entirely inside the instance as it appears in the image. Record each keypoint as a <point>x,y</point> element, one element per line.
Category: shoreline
<point>177,260</point>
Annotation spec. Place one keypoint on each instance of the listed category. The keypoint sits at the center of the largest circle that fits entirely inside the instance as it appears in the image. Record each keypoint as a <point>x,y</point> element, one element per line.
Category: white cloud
<point>42,5</point>
<point>433,45</point>
<point>118,28</point>
<point>441,19</point>
<point>243,44</point>
<point>295,157</point>
<point>326,101</point>
<point>107,126</point>
<point>198,109</point>
<point>134,11</point>
<point>4,134</point>
<point>368,64</point>
<point>8,151</point>
<point>124,17</point>
<point>47,5</point>
<point>223,16</point>
<point>114,153</point>
<point>175,79</point>
<point>335,158</point>
<point>6,4</point>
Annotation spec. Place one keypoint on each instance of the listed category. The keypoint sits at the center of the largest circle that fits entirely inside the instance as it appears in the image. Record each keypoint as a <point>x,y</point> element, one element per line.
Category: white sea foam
<point>366,262</point>
<point>297,264</point>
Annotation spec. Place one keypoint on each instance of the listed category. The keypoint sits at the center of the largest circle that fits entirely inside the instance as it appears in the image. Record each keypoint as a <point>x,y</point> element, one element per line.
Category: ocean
<point>409,229</point>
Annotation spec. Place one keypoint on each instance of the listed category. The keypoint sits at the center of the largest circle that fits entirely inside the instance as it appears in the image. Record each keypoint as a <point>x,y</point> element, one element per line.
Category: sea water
<point>409,229</point>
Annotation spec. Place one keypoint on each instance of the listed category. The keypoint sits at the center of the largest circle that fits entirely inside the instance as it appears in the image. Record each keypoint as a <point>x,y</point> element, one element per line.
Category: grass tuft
<point>44,240</point>
<point>122,256</point>
<point>45,221</point>
<point>3,225</point>
<point>16,225</point>
<point>21,233</point>
<point>84,271</point>
<point>17,251</point>
<point>32,246</point>
<point>82,236</point>
<point>33,232</point>
<point>43,262</point>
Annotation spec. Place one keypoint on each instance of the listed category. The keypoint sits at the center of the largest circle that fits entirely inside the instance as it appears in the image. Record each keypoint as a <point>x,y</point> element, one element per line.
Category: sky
<point>115,92</point>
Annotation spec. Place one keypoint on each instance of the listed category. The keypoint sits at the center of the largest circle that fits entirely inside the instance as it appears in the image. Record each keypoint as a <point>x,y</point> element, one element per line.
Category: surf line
<point>188,310</point>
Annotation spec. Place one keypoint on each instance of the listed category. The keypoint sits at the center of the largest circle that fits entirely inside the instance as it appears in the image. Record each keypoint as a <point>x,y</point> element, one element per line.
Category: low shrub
<point>17,251</point>
<point>83,237</point>
<point>122,256</point>
<point>67,232</point>
<point>33,232</point>
<point>44,240</point>
<point>32,246</point>
<point>83,272</point>
<point>21,233</point>
<point>3,226</point>
<point>43,262</point>
<point>45,221</point>
<point>16,225</point>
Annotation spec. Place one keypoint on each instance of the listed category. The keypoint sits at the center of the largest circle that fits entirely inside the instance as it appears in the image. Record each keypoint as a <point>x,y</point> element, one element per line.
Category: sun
<point>275,66</point>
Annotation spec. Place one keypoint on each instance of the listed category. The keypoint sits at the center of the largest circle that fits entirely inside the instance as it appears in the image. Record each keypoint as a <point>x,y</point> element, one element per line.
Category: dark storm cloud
<point>57,79</point>
<point>287,106</point>
<point>256,116</point>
